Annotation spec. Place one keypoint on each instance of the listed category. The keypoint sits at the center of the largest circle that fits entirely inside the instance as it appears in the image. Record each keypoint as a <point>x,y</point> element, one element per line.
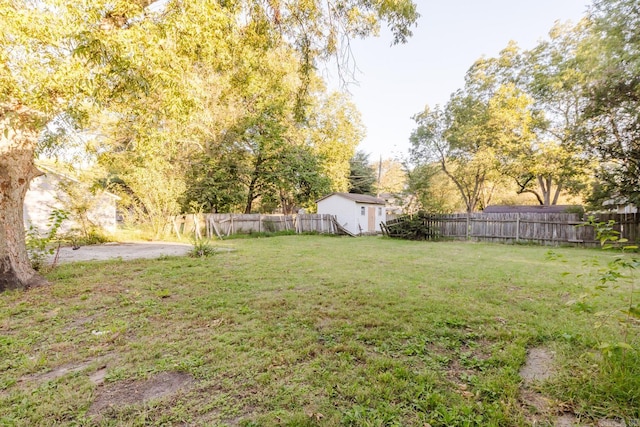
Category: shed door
<point>372,220</point>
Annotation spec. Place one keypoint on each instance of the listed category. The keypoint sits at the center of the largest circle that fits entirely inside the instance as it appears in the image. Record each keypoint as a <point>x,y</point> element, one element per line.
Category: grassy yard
<point>312,330</point>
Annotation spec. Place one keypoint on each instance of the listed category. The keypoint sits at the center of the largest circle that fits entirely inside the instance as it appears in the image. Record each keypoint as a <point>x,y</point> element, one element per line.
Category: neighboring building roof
<point>531,209</point>
<point>616,201</point>
<point>48,169</point>
<point>358,198</point>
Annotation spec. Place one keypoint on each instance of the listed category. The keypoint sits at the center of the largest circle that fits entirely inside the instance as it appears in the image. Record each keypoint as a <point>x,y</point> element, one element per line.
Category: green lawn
<point>313,330</point>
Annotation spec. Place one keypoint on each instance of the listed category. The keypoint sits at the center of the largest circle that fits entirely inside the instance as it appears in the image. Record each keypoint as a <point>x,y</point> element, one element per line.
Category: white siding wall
<point>43,197</point>
<point>348,213</point>
<point>381,216</point>
<point>362,220</point>
<point>627,209</point>
<point>343,209</point>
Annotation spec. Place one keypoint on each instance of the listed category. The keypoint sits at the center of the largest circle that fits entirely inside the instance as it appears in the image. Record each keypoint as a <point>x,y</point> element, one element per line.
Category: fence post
<point>517,227</point>
<point>468,225</point>
<point>175,227</point>
<point>196,224</point>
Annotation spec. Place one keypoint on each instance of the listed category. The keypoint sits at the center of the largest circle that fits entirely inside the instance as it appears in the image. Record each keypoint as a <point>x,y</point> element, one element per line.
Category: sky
<point>396,82</point>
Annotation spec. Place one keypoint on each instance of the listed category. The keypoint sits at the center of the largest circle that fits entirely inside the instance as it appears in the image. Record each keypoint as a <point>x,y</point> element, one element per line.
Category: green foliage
<point>607,234</point>
<point>392,176</point>
<point>202,249</point>
<point>214,182</point>
<point>79,198</point>
<point>618,276</point>
<point>412,227</point>
<point>515,125</point>
<point>613,50</point>
<point>39,245</point>
<point>450,139</point>
<point>362,177</point>
<point>554,75</point>
<point>432,190</point>
<point>335,129</point>
<point>575,209</point>
<point>92,237</point>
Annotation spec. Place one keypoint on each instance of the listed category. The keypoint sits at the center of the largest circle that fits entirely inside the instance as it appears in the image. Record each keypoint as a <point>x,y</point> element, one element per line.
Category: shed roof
<point>358,198</point>
<point>530,209</point>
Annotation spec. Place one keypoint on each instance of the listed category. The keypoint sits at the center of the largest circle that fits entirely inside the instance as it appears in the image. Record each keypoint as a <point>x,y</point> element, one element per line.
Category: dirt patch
<point>58,372</point>
<point>78,323</point>
<point>457,373</point>
<point>125,251</point>
<point>570,420</point>
<point>136,392</point>
<point>539,409</point>
<point>566,420</point>
<point>538,367</point>
<point>611,423</point>
<point>68,368</point>
<point>535,402</point>
<point>98,376</point>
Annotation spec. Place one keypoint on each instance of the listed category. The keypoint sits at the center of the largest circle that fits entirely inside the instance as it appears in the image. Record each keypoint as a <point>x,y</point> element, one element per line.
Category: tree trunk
<point>250,196</point>
<point>251,190</point>
<point>557,194</point>
<point>17,169</point>
<point>545,187</point>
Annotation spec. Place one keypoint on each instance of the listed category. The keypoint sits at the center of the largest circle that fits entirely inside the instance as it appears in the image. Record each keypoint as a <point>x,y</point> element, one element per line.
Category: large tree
<point>535,101</point>
<point>264,156</point>
<point>554,75</point>
<point>334,130</point>
<point>36,70</point>
<point>72,58</point>
<point>459,140</point>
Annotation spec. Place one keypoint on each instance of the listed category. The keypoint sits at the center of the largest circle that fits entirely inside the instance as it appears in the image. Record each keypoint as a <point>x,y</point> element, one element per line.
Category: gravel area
<point>123,251</point>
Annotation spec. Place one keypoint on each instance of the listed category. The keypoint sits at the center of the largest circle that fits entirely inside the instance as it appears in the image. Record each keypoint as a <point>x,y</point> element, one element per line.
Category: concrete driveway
<point>124,251</point>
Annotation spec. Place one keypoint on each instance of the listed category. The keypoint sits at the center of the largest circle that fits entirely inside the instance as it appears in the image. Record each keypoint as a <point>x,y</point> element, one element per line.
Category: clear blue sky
<point>397,82</point>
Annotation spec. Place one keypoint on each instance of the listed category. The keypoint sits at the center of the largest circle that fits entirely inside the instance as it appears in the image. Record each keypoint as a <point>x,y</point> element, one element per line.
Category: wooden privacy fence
<point>224,225</point>
<point>542,228</point>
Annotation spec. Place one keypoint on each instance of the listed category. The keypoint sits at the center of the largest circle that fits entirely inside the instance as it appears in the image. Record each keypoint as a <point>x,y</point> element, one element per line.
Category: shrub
<point>202,249</point>
<point>412,227</point>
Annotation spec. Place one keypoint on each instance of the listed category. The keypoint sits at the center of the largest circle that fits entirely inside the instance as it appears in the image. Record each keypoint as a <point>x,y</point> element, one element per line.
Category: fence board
<point>221,225</point>
<point>542,228</point>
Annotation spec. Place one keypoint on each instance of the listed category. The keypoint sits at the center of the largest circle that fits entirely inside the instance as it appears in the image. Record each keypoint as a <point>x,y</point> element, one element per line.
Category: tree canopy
<point>362,177</point>
<point>549,121</point>
<point>176,96</point>
<point>613,110</point>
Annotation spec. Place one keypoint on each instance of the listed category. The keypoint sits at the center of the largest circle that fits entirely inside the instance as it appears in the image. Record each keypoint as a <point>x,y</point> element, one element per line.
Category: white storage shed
<point>358,213</point>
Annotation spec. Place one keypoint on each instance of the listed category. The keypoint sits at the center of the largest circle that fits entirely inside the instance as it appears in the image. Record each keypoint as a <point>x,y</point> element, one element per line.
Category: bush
<point>412,227</point>
<point>75,237</point>
<point>202,249</point>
